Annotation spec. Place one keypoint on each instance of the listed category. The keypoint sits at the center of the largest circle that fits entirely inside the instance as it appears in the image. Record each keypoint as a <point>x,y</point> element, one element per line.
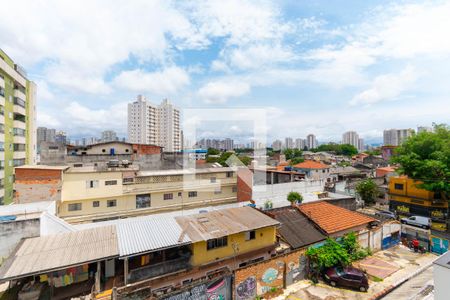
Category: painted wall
<point>264,237</point>
<point>278,272</point>
<point>32,185</point>
<point>75,190</point>
<point>409,188</point>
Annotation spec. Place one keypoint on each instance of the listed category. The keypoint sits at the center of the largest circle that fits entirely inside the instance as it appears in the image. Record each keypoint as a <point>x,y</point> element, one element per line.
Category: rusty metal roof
<point>215,224</point>
<point>296,229</point>
<point>59,251</point>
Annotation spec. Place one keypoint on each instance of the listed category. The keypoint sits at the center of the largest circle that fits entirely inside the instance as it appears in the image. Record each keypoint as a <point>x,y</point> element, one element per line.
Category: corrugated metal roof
<point>215,224</point>
<point>44,254</point>
<point>144,235</point>
<point>296,229</point>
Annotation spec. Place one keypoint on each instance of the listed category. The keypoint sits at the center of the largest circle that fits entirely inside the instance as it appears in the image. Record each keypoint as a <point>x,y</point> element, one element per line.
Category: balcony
<point>19,124</point>
<point>161,268</point>
<point>2,81</point>
<point>19,110</point>
<point>20,94</point>
<point>19,139</point>
<point>19,155</point>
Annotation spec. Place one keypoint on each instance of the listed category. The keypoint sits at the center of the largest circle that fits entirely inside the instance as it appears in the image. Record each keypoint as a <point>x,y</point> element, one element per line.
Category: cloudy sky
<point>320,67</point>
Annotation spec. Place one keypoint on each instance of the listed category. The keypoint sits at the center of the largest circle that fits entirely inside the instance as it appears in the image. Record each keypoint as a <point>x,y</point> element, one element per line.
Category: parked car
<point>386,214</point>
<point>347,277</point>
<point>418,221</point>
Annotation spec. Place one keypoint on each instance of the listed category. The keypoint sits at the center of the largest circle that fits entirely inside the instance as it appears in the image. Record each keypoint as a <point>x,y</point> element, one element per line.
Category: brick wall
<point>277,272</point>
<point>146,149</point>
<point>33,185</point>
<point>244,184</point>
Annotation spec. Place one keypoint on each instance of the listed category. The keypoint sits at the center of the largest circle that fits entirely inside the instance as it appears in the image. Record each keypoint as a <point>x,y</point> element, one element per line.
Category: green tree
<point>223,158</point>
<point>294,197</point>
<point>292,153</point>
<point>296,160</point>
<point>347,150</point>
<point>212,151</point>
<point>245,160</point>
<point>425,157</point>
<point>367,190</point>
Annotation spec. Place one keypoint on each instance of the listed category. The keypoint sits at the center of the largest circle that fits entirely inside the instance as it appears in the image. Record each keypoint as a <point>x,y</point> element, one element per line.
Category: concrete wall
<point>441,286</point>
<point>12,232</point>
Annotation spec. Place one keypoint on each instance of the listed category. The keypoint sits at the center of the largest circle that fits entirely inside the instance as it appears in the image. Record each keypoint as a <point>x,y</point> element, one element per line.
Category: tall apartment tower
<point>300,143</point>
<point>395,137</point>
<point>168,120</point>
<point>311,141</point>
<point>288,143</point>
<point>351,138</point>
<point>17,123</point>
<point>156,125</point>
<point>109,136</point>
<point>277,144</point>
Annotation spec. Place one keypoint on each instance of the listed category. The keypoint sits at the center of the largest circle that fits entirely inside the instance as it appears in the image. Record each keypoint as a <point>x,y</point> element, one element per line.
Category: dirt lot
<point>389,266</point>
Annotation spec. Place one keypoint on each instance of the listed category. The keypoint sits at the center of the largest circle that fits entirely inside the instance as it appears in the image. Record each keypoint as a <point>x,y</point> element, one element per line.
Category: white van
<point>418,221</point>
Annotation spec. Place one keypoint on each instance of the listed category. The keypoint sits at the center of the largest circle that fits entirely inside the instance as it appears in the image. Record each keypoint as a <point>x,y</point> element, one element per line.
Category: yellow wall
<point>264,237</point>
<point>74,190</point>
<point>409,188</point>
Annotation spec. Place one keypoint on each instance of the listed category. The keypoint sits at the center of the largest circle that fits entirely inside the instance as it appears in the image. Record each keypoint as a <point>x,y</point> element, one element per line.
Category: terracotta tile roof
<point>309,164</point>
<point>332,218</point>
<point>389,169</point>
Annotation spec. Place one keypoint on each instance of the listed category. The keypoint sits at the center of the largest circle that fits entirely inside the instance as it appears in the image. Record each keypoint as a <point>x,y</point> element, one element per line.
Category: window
<point>2,164</point>
<point>398,186</point>
<point>128,180</point>
<point>229,174</point>
<point>168,196</point>
<point>18,132</point>
<point>19,147</point>
<point>95,203</point>
<point>213,179</point>
<point>2,146</point>
<point>143,201</point>
<point>74,206</point>
<point>18,162</point>
<point>111,203</point>
<point>103,150</point>
<point>180,194</point>
<point>234,189</point>
<point>19,102</point>
<point>2,127</point>
<point>250,235</point>
<point>90,184</point>
<point>216,243</point>
<point>217,191</point>
<point>111,182</point>
<point>192,194</point>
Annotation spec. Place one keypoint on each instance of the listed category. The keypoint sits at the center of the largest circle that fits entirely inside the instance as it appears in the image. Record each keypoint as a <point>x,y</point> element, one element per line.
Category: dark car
<point>386,214</point>
<point>347,277</point>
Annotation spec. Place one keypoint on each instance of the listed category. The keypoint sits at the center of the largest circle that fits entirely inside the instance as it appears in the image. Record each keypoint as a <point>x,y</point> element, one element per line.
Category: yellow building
<point>406,199</point>
<point>242,234</point>
<point>88,193</point>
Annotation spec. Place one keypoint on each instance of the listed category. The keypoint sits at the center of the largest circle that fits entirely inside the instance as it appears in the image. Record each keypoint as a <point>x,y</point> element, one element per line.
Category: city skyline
<point>312,70</point>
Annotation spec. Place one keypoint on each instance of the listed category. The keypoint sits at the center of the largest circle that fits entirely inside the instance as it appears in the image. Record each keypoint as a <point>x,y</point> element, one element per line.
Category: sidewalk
<point>406,261</point>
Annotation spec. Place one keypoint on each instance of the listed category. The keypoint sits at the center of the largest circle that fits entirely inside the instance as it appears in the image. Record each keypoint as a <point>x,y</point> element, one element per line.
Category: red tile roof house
<point>336,221</point>
<point>313,169</point>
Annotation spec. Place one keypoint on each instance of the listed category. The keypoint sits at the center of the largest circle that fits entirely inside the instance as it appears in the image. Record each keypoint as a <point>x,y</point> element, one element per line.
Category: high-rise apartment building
<point>17,123</point>
<point>277,145</point>
<point>156,125</point>
<point>424,129</point>
<point>300,143</point>
<point>288,143</point>
<point>351,138</point>
<point>361,146</point>
<point>109,136</point>
<point>311,141</point>
<point>395,137</point>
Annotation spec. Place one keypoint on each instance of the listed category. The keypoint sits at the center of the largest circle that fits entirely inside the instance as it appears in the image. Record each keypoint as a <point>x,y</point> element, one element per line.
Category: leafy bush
<point>294,197</point>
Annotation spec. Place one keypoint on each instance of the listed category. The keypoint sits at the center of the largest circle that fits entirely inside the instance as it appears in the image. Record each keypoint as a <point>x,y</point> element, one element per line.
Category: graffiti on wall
<point>246,289</point>
<point>270,278</point>
<point>296,270</point>
<point>219,289</point>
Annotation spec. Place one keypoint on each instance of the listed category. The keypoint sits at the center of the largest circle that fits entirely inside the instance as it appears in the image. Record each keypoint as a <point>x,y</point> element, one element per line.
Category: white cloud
<point>259,56</point>
<point>222,91</point>
<point>386,87</point>
<point>167,81</point>
<point>85,120</point>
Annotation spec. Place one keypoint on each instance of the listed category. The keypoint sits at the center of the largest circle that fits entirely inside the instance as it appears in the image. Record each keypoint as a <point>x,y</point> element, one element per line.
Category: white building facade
<point>395,137</point>
<point>155,125</point>
<point>351,138</point>
<point>311,141</point>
